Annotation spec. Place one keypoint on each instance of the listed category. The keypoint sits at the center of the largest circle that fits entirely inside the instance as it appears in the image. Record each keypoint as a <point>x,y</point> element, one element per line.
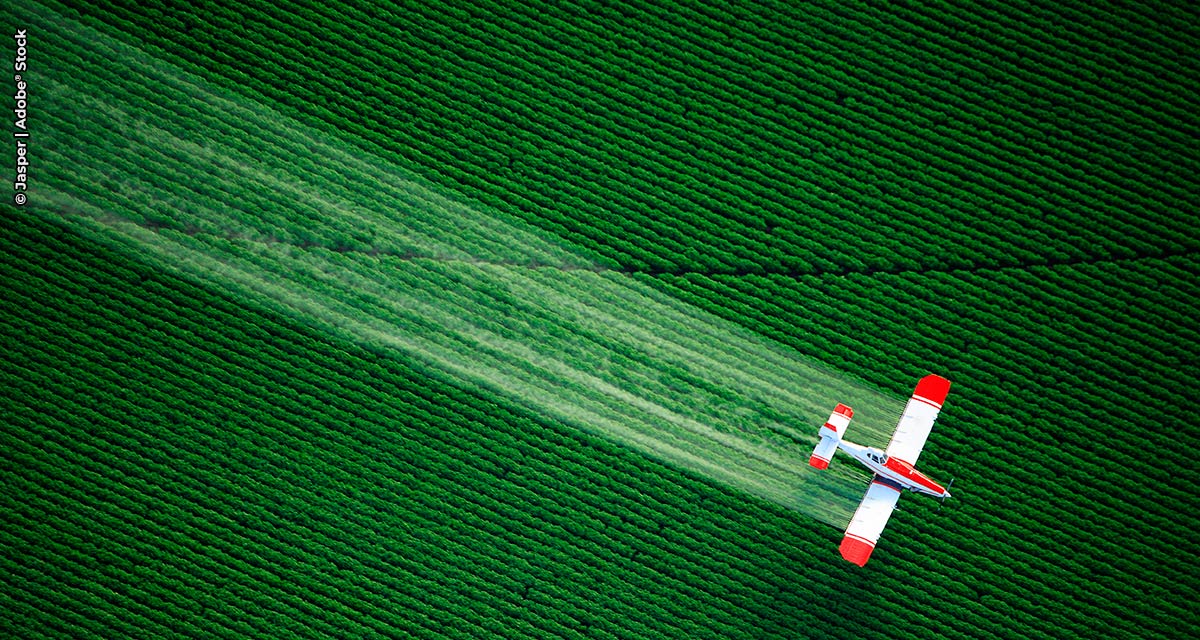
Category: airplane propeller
<point>947,495</point>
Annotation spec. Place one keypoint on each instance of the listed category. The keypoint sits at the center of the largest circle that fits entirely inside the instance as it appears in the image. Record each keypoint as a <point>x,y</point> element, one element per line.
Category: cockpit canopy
<point>877,456</point>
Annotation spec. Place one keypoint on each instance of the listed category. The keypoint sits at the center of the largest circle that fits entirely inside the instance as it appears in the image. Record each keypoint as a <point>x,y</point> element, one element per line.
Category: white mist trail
<point>256,203</point>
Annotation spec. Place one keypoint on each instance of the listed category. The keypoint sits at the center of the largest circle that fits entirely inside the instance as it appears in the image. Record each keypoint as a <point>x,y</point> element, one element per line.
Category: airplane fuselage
<point>894,470</point>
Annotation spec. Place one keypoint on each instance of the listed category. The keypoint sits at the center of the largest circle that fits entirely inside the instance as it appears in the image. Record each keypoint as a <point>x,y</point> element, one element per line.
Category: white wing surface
<point>917,420</point>
<point>869,520</point>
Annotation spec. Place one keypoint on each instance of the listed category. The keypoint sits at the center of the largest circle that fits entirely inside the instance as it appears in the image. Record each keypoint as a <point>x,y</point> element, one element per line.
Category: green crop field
<point>518,320</point>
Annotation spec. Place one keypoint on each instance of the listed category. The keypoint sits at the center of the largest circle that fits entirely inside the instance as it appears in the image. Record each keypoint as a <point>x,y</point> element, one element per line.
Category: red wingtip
<point>856,550</point>
<point>820,463</point>
<point>844,410</point>
<point>933,388</point>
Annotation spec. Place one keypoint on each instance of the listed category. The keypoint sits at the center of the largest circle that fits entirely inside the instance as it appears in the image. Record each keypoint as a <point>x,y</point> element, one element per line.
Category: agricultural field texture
<point>518,320</point>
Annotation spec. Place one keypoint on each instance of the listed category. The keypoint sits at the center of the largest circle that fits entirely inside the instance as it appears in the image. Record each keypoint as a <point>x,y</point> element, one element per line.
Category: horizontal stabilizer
<point>830,433</point>
<point>838,420</point>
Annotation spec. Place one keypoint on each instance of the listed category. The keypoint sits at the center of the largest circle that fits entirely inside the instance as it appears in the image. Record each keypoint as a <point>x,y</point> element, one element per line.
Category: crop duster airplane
<point>893,468</point>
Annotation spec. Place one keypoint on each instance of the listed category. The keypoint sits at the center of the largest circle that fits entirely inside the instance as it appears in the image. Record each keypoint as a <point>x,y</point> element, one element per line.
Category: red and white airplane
<point>893,468</point>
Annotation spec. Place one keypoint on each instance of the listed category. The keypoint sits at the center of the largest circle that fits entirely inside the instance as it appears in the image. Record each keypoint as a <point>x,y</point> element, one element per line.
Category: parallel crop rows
<point>687,138</point>
<point>590,347</point>
<point>1006,196</point>
<point>1037,417</point>
<point>251,453</point>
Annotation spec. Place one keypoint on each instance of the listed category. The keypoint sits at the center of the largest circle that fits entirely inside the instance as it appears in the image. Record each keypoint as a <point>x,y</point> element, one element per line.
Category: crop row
<point>187,174</point>
<point>145,313</point>
<point>1031,421</point>
<point>1019,339</point>
<point>273,209</point>
<point>983,492</point>
<point>1015,553</point>
<point>192,416</point>
<point>609,143</point>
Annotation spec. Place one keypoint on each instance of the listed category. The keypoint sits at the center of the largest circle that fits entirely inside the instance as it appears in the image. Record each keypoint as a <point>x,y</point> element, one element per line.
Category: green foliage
<point>1006,196</point>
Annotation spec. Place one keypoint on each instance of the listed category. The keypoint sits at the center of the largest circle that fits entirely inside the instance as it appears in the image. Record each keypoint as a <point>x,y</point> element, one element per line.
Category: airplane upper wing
<point>868,522</point>
<point>917,420</point>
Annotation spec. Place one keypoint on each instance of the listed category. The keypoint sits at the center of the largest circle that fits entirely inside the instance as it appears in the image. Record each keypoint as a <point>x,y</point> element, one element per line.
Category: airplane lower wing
<point>917,420</point>
<point>869,520</point>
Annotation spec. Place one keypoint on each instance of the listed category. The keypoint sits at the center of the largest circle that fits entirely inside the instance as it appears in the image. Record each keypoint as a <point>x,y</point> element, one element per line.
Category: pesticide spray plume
<point>593,348</point>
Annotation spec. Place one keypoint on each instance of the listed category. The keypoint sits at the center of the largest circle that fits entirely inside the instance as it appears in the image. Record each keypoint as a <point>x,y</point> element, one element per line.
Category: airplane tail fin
<point>831,434</point>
